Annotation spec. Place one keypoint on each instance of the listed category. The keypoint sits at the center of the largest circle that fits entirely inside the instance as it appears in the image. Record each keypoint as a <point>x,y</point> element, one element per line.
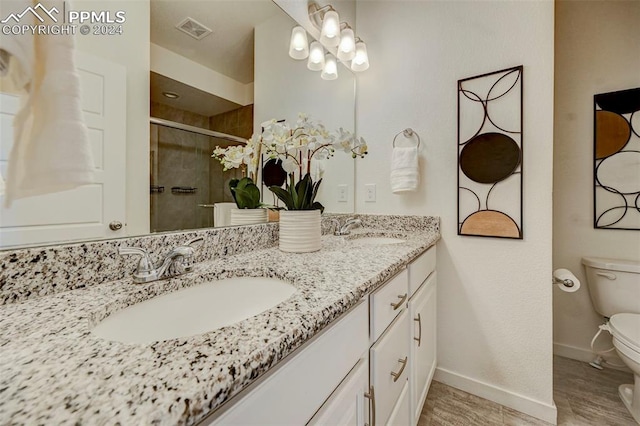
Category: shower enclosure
<point>185,181</point>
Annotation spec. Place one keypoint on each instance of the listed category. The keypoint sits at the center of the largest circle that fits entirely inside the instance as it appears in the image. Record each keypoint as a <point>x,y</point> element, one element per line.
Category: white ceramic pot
<point>300,231</point>
<point>248,216</point>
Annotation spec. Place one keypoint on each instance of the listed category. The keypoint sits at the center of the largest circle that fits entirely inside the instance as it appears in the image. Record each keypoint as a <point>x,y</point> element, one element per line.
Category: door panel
<point>84,212</point>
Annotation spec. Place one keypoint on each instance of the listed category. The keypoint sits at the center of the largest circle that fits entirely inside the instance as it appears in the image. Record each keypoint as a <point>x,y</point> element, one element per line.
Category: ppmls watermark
<point>63,22</point>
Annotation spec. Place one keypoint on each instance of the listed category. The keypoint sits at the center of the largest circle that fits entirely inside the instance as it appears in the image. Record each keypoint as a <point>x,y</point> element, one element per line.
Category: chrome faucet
<point>346,228</point>
<point>174,263</point>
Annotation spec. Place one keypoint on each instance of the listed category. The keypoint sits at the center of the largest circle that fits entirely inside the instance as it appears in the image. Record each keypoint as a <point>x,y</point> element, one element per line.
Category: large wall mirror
<point>156,101</point>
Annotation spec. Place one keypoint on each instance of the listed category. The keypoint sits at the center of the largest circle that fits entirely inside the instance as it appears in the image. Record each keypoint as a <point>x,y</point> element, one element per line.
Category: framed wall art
<point>490,154</point>
<point>616,159</point>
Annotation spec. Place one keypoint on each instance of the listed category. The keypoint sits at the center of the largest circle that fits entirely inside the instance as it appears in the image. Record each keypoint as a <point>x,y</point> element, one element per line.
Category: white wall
<point>494,296</point>
<point>130,49</point>
<point>284,87</point>
<point>597,50</point>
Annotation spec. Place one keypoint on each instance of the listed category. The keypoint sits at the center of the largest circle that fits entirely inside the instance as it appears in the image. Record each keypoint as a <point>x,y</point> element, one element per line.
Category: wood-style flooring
<point>584,397</point>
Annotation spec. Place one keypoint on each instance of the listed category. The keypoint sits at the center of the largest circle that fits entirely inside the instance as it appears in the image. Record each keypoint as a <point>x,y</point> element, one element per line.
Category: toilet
<point>614,286</point>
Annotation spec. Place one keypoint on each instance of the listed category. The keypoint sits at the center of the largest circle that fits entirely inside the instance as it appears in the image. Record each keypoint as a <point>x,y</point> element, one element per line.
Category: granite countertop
<point>55,371</point>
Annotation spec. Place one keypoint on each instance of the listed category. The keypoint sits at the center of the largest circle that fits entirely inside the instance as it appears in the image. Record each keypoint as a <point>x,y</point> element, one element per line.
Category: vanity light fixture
<point>361,60</point>
<point>330,70</point>
<point>170,95</point>
<point>340,35</point>
<point>330,32</point>
<point>299,46</point>
<point>347,46</point>
<point>316,56</point>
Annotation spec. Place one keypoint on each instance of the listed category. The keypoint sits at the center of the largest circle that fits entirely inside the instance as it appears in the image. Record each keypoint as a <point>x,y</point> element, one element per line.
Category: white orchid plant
<point>295,146</point>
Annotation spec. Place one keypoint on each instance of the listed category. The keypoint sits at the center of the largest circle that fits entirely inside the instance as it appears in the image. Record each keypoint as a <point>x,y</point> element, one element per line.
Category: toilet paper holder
<point>566,282</point>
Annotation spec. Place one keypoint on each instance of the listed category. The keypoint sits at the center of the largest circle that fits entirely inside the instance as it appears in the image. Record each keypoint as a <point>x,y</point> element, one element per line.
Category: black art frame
<point>491,155</point>
<point>616,134</point>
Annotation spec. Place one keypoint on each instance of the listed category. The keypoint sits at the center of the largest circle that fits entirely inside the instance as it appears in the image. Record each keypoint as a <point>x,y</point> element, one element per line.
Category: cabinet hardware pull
<point>419,338</point>
<point>372,396</point>
<point>397,375</point>
<point>403,298</point>
<point>115,225</point>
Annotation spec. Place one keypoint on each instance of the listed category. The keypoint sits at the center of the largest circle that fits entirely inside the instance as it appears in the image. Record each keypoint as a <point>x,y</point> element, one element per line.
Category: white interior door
<point>84,212</point>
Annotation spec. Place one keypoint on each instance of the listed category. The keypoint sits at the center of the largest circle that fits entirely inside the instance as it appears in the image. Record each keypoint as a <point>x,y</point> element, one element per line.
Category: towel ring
<point>407,133</point>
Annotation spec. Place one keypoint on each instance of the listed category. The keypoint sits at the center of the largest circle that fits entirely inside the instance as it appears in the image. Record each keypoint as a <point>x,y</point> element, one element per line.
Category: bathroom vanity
<point>354,344</point>
<point>376,362</point>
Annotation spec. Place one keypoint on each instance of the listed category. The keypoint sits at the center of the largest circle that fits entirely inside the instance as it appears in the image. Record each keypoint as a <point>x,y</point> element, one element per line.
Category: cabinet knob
<point>115,225</point>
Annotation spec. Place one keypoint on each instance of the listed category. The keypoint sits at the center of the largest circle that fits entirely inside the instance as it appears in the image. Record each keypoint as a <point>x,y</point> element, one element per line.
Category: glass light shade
<point>299,46</point>
<point>330,70</point>
<point>347,47</point>
<point>330,33</point>
<point>361,61</point>
<point>316,56</point>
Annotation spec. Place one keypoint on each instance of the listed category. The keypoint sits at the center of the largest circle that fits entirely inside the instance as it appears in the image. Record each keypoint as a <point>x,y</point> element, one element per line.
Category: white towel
<point>51,150</point>
<point>404,169</point>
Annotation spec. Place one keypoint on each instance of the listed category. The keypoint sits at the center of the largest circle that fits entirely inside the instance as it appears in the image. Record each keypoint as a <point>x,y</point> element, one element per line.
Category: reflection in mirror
<point>220,89</point>
<point>196,191</point>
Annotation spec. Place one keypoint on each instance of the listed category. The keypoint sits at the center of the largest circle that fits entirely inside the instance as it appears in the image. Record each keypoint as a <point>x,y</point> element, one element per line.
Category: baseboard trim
<point>573,352</point>
<point>585,355</point>
<point>532,407</point>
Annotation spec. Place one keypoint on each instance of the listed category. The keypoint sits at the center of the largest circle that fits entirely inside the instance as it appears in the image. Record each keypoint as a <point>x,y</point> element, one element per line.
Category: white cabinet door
<point>292,392</point>
<point>400,414</point>
<point>85,212</point>
<point>422,309</point>
<point>347,405</point>
<point>389,370</point>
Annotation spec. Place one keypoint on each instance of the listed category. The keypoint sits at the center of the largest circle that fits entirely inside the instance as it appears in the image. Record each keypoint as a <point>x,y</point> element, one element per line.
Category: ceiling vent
<point>194,28</point>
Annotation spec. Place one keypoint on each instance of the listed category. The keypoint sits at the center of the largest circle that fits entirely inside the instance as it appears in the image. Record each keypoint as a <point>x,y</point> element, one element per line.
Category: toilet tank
<point>614,285</point>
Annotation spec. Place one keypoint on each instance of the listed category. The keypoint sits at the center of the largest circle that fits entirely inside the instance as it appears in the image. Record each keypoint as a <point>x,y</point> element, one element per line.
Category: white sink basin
<point>378,241</point>
<point>194,310</point>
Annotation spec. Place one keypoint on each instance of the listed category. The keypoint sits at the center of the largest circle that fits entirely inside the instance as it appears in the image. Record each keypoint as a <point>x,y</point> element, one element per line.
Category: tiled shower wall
<point>180,158</point>
<point>238,122</point>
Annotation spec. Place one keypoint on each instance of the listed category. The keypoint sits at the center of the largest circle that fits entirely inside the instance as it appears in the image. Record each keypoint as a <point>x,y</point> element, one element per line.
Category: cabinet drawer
<point>421,268</point>
<point>386,303</point>
<point>390,355</point>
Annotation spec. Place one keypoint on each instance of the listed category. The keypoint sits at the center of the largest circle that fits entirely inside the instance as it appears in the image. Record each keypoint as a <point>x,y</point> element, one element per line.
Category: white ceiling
<point>229,49</point>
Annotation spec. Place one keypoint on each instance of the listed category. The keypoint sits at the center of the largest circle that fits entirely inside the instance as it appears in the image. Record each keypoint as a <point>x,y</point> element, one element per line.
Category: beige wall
<point>597,50</point>
<point>494,296</point>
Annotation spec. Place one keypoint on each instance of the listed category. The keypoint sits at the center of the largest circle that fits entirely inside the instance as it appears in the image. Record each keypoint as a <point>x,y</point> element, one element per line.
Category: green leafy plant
<point>301,195</point>
<point>245,193</point>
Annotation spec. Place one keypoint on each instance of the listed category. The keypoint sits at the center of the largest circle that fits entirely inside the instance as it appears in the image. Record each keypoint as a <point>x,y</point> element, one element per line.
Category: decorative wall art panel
<point>616,152</point>
<point>490,154</point>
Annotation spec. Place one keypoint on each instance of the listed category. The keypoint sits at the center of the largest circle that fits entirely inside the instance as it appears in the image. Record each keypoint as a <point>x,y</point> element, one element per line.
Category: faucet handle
<point>196,243</point>
<point>145,266</point>
<point>336,226</point>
